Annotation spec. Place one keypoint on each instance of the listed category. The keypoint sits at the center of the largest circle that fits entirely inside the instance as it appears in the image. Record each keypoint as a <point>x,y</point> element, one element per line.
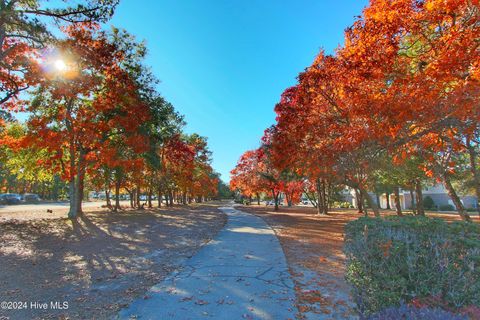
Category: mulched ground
<point>313,246</point>
<point>99,263</point>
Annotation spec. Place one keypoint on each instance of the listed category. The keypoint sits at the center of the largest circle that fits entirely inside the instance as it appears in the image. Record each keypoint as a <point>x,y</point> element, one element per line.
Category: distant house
<point>348,195</point>
<point>438,193</point>
<point>97,195</point>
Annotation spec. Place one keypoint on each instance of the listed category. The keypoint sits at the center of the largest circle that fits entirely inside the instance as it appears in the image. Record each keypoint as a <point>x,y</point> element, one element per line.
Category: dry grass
<point>99,262</point>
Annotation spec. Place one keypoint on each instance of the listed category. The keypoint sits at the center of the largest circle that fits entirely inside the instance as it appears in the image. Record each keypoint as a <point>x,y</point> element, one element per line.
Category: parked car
<point>2,199</point>
<point>11,198</point>
<point>272,203</point>
<point>31,197</point>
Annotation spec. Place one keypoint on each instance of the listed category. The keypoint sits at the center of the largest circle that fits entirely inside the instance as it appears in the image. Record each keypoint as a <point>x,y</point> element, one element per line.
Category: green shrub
<point>393,260</point>
<point>428,203</point>
<point>411,312</point>
<point>446,207</point>
<point>342,204</point>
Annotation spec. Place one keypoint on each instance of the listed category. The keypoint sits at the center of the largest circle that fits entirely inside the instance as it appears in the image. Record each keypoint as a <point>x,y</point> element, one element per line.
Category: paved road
<point>242,274</point>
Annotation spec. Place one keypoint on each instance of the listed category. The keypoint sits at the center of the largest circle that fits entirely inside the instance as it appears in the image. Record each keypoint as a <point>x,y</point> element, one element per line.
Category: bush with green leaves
<point>446,207</point>
<point>428,203</point>
<point>393,260</point>
<point>342,204</point>
<point>413,313</point>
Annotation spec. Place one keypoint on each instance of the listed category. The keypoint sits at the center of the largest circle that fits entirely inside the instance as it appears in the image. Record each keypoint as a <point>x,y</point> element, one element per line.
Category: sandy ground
<point>41,210</point>
<point>313,246</point>
<point>99,263</point>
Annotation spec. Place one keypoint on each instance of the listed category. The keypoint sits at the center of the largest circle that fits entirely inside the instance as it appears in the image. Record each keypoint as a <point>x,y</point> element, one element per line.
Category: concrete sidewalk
<point>242,274</point>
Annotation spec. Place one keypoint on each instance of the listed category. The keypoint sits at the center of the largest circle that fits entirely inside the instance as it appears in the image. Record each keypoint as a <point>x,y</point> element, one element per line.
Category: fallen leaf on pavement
<point>186,299</point>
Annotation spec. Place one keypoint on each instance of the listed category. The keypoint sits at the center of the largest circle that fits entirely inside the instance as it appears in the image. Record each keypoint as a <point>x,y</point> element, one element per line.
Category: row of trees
<point>397,106</point>
<point>95,116</point>
<point>255,175</point>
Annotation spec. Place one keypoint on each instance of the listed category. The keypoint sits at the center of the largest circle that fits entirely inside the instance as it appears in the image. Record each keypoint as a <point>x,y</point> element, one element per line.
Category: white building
<point>438,193</point>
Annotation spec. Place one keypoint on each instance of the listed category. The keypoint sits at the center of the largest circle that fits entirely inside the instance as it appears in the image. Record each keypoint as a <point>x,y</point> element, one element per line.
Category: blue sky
<point>223,64</point>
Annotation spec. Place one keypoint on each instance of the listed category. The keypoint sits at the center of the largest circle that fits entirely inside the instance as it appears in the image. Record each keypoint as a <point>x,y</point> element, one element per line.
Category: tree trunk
<point>398,206</point>
<point>275,198</point>
<point>76,186</point>
<point>149,198</point>
<point>159,195</point>
<point>258,198</point>
<point>117,195</point>
<point>137,197</point>
<point>358,200</point>
<point>419,198</point>
<point>412,202</point>
<point>370,202</point>
<point>107,198</point>
<point>72,193</point>
<point>107,178</point>
<point>456,200</point>
<point>81,187</point>
<point>320,200</point>
<point>167,199</point>
<point>72,213</point>
<point>324,198</point>
<point>473,168</point>
<point>388,200</point>
<point>79,183</point>
<point>130,197</point>
<point>312,200</point>
<point>289,198</point>
<point>329,196</point>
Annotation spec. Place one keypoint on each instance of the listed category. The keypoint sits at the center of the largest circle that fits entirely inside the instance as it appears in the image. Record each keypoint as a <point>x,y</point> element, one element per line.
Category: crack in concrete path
<point>242,274</point>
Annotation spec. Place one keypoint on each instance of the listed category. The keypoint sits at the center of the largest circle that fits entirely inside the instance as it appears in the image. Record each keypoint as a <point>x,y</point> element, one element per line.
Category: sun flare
<point>60,65</point>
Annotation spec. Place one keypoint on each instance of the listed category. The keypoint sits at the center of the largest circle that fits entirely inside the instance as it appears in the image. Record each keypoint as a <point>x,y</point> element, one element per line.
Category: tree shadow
<point>100,260</point>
